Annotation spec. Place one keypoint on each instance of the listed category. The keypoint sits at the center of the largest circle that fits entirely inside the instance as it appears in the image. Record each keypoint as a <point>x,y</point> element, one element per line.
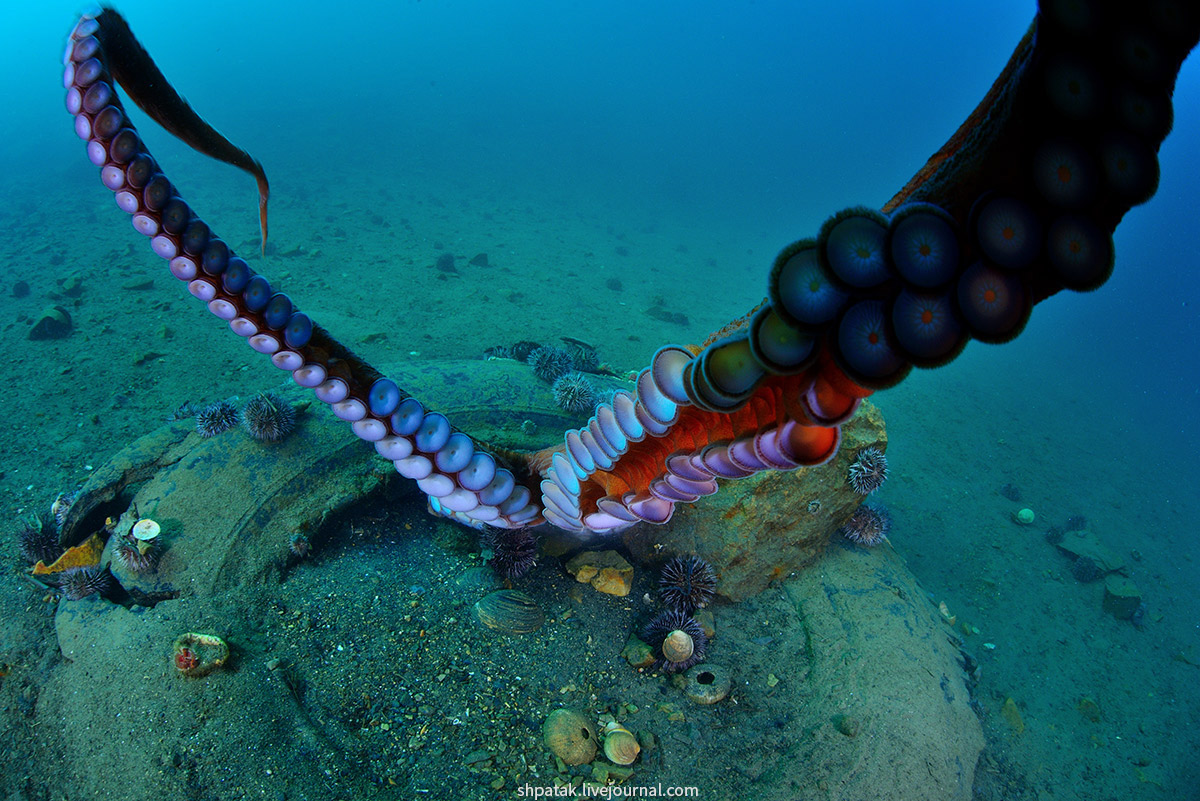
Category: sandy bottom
<point>362,262</point>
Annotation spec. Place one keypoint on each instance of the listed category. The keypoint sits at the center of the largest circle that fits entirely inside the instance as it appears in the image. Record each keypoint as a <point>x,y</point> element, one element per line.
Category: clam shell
<point>620,746</point>
<point>509,611</point>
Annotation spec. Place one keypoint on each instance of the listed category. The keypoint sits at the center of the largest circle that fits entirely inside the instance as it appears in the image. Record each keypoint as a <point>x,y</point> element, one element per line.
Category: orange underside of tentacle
<point>776,400</point>
<point>779,398</point>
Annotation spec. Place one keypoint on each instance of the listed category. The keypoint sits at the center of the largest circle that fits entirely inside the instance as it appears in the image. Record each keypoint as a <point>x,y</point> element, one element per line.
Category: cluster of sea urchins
<point>266,417</point>
<point>686,584</point>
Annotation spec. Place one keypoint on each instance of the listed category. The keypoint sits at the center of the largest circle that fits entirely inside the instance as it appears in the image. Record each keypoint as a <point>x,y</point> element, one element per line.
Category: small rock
<point>20,289</point>
<point>1121,597</point>
<point>476,756</point>
<point>848,725</point>
<point>479,260</point>
<point>606,571</point>
<point>1089,709</point>
<point>72,286</point>
<point>637,653</point>
<point>1012,716</point>
<point>1087,545</point>
<point>138,285</point>
<point>52,323</point>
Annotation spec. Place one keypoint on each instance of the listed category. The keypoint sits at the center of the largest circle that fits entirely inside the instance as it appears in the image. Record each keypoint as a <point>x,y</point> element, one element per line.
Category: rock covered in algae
<point>763,528</point>
<point>570,736</point>
<point>227,507</point>
<point>509,612</point>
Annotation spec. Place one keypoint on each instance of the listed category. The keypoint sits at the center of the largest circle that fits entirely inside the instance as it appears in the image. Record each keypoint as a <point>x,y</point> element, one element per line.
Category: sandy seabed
<point>362,261</point>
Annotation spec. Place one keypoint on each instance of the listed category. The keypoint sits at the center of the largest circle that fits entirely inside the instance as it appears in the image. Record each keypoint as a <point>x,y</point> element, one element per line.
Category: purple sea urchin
<point>216,418</point>
<point>268,417</point>
<point>867,526</point>
<point>549,363</point>
<point>687,583</point>
<point>137,556</point>
<point>869,471</point>
<point>514,551</point>
<point>574,393</point>
<point>677,640</point>
<point>38,540</point>
<point>81,582</point>
<point>583,356</point>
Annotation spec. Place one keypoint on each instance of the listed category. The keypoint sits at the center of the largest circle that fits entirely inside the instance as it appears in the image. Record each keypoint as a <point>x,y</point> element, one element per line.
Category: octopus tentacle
<point>131,66</point>
<point>1019,204</point>
<point>464,479</point>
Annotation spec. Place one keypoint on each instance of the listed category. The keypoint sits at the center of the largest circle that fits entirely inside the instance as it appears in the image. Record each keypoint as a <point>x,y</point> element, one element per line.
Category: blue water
<point>756,118</point>
<point>748,122</point>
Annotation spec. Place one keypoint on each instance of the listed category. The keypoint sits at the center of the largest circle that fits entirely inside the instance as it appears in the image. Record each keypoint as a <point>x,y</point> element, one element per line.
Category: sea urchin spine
<point>677,640</point>
<point>514,551</point>
<point>869,471</point>
<point>81,582</point>
<point>137,556</point>
<point>216,418</point>
<point>687,583</point>
<point>550,363</point>
<point>268,417</point>
<point>38,540</point>
<point>867,526</point>
<point>574,393</point>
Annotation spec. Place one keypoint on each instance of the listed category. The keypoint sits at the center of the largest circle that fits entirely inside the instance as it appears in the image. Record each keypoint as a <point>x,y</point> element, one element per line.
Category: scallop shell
<point>620,746</point>
<point>509,611</point>
<point>570,736</point>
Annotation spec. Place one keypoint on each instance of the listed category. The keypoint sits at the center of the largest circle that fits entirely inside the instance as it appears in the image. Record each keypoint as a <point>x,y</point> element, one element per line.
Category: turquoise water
<point>675,149</point>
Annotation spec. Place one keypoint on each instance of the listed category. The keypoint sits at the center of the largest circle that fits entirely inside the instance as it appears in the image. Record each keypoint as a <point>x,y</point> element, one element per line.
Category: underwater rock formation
<point>764,528</point>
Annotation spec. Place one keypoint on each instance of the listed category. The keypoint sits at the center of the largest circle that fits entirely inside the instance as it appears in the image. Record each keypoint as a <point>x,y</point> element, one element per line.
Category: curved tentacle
<point>132,67</point>
<point>461,478</point>
<point>1019,204</point>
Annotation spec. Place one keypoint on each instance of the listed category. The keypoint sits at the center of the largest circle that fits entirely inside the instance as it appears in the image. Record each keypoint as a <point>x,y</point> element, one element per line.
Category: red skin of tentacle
<point>951,178</point>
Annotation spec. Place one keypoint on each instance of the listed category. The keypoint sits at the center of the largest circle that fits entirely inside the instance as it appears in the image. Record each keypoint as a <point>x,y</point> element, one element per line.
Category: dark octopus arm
<point>1018,205</point>
<point>131,66</point>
